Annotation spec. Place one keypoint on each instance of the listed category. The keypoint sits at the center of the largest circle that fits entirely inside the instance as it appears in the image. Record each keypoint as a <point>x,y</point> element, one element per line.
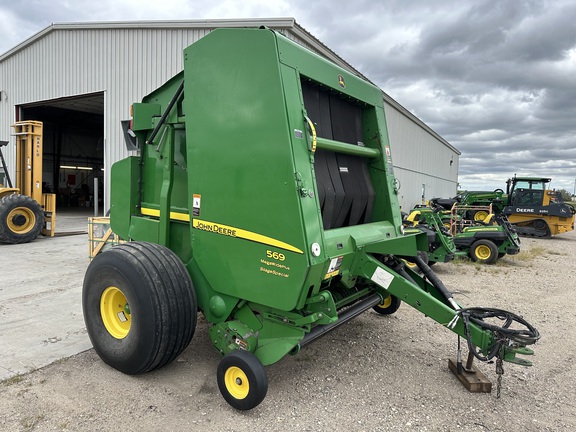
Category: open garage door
<point>73,148</point>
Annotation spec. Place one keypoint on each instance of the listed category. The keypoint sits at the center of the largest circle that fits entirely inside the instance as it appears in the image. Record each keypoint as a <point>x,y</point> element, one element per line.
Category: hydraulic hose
<point>504,336</point>
<point>435,280</point>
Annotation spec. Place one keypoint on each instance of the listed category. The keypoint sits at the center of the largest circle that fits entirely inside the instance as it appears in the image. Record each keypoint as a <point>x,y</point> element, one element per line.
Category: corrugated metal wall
<point>125,64</point>
<point>128,63</point>
<point>422,164</point>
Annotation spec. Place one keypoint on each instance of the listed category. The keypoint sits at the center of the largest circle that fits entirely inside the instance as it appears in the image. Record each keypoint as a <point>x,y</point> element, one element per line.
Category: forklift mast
<point>25,211</point>
<point>29,158</point>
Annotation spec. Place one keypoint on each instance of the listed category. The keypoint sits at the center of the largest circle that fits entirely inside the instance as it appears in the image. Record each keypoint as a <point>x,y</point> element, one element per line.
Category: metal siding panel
<point>419,159</point>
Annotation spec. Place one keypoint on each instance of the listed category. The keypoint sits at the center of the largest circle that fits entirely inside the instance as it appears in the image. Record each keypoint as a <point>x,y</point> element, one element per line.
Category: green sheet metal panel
<point>248,237</point>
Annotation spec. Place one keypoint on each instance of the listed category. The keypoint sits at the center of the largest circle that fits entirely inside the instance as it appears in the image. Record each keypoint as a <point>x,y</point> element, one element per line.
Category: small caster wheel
<point>242,380</point>
<point>388,306</point>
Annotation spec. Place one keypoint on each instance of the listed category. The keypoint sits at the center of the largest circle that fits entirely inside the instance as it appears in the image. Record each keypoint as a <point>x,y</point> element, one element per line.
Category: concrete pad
<point>41,297</point>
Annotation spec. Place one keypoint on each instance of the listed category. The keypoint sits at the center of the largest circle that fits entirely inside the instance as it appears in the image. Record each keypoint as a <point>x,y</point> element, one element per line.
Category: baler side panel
<point>241,171</point>
<point>125,177</point>
<point>374,132</point>
<point>156,156</point>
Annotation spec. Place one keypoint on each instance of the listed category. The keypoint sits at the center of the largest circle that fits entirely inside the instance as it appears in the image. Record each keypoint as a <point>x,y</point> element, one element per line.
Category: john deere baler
<point>263,196</point>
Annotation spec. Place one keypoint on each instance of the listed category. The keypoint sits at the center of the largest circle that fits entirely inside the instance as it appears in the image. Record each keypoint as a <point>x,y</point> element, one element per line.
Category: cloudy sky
<point>495,78</point>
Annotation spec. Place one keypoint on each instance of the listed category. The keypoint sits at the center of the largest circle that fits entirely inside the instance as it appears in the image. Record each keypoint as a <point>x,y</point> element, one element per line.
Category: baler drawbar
<point>262,196</point>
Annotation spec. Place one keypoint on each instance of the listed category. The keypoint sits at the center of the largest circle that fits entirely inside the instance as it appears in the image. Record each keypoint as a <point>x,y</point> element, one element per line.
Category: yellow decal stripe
<point>243,234</point>
<point>183,217</point>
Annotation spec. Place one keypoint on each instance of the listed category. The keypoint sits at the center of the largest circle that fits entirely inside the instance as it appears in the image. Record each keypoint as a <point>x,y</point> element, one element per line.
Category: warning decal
<point>196,204</point>
<point>382,277</point>
<point>334,267</point>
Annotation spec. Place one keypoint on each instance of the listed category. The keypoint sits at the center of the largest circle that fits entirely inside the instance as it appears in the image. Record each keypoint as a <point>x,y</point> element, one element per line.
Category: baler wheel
<point>21,219</point>
<point>484,252</point>
<point>242,380</point>
<point>139,306</point>
<point>388,306</point>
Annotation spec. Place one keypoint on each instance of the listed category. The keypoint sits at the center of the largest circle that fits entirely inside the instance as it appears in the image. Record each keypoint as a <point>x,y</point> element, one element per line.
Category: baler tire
<point>388,306</point>
<point>484,251</point>
<point>242,380</point>
<point>21,219</point>
<point>139,306</point>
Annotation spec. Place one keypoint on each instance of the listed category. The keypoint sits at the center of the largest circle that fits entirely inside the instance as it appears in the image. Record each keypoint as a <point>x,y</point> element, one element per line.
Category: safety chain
<point>499,372</point>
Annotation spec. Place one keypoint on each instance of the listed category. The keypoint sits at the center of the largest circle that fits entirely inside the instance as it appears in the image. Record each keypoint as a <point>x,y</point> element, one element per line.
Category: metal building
<point>81,78</point>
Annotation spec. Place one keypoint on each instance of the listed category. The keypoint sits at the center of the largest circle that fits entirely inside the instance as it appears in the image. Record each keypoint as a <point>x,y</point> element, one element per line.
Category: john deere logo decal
<point>341,81</point>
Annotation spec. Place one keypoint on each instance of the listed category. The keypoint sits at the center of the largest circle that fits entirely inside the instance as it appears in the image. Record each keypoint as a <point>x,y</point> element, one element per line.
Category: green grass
<point>530,255</point>
<point>12,380</point>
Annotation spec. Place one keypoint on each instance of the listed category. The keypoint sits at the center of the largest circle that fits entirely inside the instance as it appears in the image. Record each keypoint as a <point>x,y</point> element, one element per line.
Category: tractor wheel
<point>139,306</point>
<point>21,219</point>
<point>480,215</point>
<point>412,266</point>
<point>484,252</point>
<point>542,226</point>
<point>388,306</point>
<point>242,380</point>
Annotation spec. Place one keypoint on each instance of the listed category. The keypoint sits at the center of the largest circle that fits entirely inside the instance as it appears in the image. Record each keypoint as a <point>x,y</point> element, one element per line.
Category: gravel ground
<point>377,373</point>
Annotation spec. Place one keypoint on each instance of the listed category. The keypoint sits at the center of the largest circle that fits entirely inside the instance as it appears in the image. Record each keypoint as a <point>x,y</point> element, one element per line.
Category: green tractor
<point>441,245</point>
<point>483,241</point>
<point>532,208</point>
<point>263,197</point>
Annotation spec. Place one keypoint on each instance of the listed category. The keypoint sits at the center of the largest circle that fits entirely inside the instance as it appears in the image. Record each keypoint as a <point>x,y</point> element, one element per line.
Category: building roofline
<point>276,23</point>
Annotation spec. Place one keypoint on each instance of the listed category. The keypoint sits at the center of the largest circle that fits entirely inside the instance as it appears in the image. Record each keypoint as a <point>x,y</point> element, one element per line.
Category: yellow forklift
<point>25,211</point>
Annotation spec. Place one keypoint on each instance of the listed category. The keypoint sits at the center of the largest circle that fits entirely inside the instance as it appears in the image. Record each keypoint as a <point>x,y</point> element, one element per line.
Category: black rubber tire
<point>162,307</point>
<point>484,252</point>
<point>242,380</point>
<point>390,305</point>
<point>21,219</point>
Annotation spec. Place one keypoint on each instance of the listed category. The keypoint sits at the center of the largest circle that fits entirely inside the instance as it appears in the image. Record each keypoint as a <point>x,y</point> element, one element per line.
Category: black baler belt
<point>350,191</point>
<point>370,191</point>
<point>339,192</point>
<point>326,194</point>
<point>360,201</point>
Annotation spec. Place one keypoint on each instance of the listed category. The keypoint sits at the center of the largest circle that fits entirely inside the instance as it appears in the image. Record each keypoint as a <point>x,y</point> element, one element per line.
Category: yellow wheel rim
<point>21,220</point>
<point>386,303</point>
<point>480,215</point>
<point>115,312</point>
<point>236,382</point>
<point>410,264</point>
<point>483,252</point>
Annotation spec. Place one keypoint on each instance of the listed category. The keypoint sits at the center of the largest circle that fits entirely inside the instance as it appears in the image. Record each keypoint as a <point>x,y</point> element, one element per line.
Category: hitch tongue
<point>511,352</point>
